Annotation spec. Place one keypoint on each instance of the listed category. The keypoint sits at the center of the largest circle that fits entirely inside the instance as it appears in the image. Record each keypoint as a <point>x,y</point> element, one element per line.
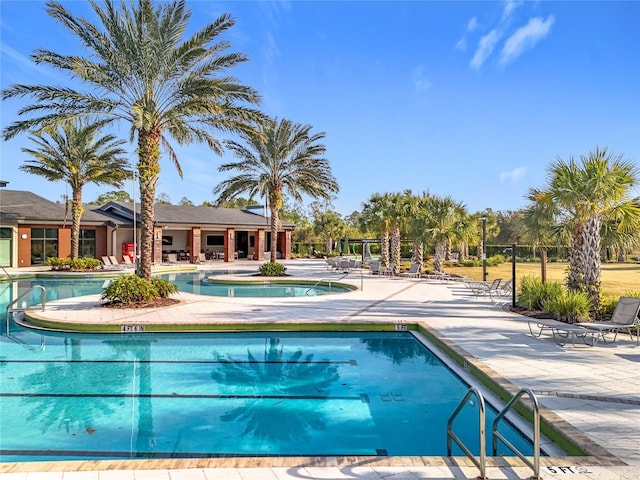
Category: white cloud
<point>525,38</point>
<point>485,47</point>
<point>472,24</point>
<point>513,176</point>
<point>421,83</point>
<point>509,7</point>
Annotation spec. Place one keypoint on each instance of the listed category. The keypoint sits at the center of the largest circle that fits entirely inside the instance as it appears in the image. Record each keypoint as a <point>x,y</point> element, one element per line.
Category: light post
<point>484,248</point>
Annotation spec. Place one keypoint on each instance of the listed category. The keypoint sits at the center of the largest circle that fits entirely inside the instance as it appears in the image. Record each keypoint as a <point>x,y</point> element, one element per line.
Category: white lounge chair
<point>625,317</point>
<point>114,262</point>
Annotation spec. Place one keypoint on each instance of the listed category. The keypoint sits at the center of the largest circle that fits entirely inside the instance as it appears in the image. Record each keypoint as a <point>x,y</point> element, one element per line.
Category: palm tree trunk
<point>574,274</point>
<point>591,263</point>
<point>275,224</point>
<point>384,249</point>
<point>148,170</point>
<point>441,250</point>
<point>76,215</point>
<point>395,249</point>
<point>328,244</point>
<point>418,252</point>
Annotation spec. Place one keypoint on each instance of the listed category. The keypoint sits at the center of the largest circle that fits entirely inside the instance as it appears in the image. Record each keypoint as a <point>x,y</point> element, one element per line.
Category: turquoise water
<point>68,396</point>
<point>198,283</point>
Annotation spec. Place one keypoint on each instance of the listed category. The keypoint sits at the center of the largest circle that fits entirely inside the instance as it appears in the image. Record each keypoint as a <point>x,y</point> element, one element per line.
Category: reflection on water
<point>299,375</point>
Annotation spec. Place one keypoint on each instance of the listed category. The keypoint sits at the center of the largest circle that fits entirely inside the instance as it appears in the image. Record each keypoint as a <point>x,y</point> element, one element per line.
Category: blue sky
<point>468,99</point>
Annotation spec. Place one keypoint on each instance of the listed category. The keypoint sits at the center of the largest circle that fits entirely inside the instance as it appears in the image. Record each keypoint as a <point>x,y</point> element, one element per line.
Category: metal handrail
<point>479,462</point>
<point>328,280</point>
<point>535,465</point>
<point>11,305</point>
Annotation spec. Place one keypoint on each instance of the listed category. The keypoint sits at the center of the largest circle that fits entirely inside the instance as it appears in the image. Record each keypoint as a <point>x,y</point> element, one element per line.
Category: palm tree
<point>377,216</point>
<point>582,196</point>
<point>139,70</point>
<point>77,154</point>
<point>443,224</point>
<point>329,226</point>
<point>278,157</point>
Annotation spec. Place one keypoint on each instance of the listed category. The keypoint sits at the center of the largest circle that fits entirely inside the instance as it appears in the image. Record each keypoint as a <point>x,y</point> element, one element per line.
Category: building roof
<point>18,206</point>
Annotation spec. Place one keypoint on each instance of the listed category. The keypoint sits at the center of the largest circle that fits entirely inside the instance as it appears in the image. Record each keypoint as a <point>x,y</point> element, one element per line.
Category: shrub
<point>272,269</point>
<point>534,293</point>
<point>495,260</point>
<point>57,263</point>
<point>471,263</point>
<point>165,288</point>
<point>570,307</point>
<point>130,290</point>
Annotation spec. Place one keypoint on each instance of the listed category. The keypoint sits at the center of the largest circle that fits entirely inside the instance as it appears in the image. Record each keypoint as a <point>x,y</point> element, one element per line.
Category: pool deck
<point>592,391</point>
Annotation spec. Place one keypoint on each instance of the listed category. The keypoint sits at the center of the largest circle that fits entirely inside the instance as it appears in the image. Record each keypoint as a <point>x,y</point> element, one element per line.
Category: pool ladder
<point>12,306</point>
<point>480,462</point>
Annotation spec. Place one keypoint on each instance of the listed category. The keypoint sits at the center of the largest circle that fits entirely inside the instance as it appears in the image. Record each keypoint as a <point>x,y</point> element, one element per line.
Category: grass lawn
<point>617,278</point>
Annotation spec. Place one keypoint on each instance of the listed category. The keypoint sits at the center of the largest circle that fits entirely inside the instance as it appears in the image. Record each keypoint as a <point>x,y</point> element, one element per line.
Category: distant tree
<point>329,226</point>
<point>78,154</point>
<point>113,196</point>
<point>240,203</point>
<point>280,157</point>
<point>163,199</point>
<point>185,202</point>
<point>207,203</point>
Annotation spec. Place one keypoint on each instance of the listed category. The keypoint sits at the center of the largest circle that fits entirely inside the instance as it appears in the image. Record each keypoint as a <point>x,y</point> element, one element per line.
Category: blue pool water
<point>73,396</point>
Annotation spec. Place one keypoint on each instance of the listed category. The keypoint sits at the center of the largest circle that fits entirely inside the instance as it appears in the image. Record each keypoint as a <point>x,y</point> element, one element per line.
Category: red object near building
<point>128,250</point>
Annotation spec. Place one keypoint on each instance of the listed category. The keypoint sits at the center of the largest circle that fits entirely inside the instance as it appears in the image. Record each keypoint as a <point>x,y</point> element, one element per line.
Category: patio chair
<point>106,263</point>
<point>389,270</point>
<point>172,258</point>
<point>375,267</point>
<point>503,290</point>
<point>413,272</point>
<point>127,262</point>
<point>481,289</point>
<point>114,262</point>
<point>202,258</point>
<point>625,317</point>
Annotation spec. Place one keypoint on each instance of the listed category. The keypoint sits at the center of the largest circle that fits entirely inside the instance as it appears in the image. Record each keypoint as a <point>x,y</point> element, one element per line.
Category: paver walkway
<point>596,390</point>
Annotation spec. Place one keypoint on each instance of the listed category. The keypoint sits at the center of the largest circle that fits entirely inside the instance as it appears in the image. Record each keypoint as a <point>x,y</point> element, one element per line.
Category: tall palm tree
<point>377,216</point>
<point>139,70</point>
<point>78,154</point>
<point>578,199</point>
<point>277,158</point>
<point>442,225</point>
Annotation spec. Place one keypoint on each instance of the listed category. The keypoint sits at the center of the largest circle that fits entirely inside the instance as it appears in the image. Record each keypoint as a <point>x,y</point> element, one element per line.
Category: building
<point>33,229</point>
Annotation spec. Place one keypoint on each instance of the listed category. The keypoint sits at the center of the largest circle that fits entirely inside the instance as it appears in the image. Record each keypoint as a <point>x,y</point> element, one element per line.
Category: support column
<point>230,245</point>
<point>195,243</point>
<point>258,245</point>
<point>157,245</point>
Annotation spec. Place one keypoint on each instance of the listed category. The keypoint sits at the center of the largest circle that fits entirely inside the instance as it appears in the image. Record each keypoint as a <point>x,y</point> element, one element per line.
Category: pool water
<point>75,396</point>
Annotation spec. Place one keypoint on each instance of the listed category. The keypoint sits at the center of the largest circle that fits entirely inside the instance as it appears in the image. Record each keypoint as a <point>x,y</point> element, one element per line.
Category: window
<point>87,243</point>
<point>44,244</point>
<point>5,246</point>
<point>215,240</point>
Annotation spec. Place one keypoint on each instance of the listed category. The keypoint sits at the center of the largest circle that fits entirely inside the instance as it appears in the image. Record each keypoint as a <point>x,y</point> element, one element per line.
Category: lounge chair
<point>106,263</point>
<point>503,290</point>
<point>413,272</point>
<point>481,289</point>
<point>202,258</point>
<point>562,332</point>
<point>172,258</point>
<point>127,262</point>
<point>114,262</point>
<point>625,317</point>
<point>436,275</point>
<point>389,270</point>
<point>375,267</point>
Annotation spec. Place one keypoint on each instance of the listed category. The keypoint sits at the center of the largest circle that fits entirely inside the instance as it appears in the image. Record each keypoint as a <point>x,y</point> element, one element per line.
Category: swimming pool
<point>74,396</point>
<point>172,396</point>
